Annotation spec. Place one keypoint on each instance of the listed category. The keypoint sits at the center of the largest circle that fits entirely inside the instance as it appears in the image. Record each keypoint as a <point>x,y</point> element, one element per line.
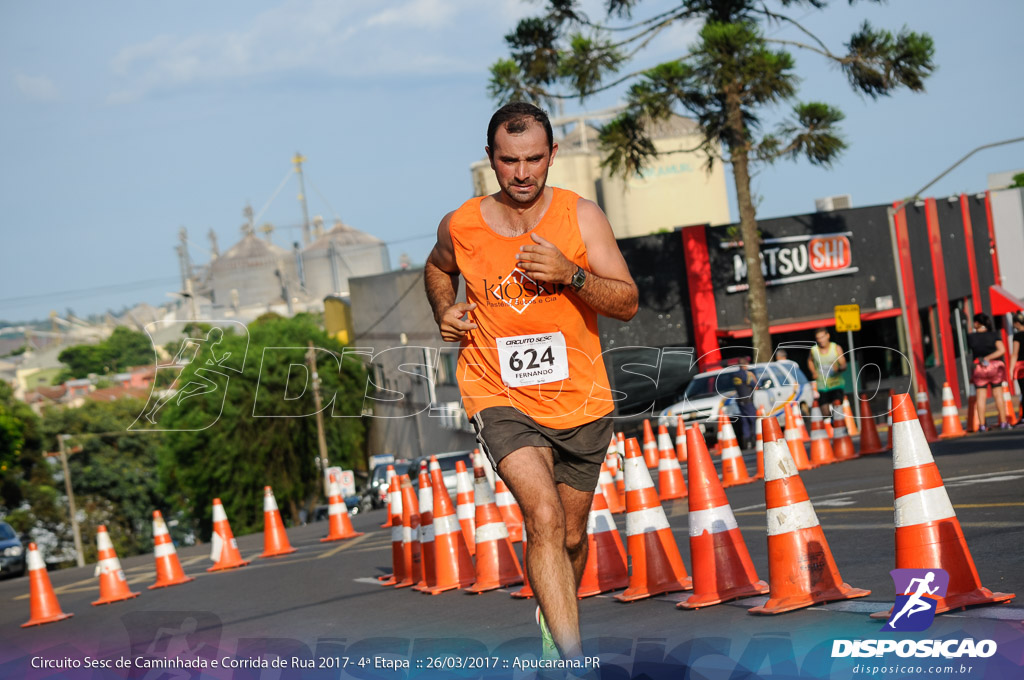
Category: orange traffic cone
<point>224,551</point>
<point>496,562</point>
<point>275,540</point>
<point>842,445</point>
<point>826,417</point>
<point>389,474</point>
<point>928,534</point>
<point>821,447</point>
<point>453,567</point>
<point>606,557</point>
<point>924,414</point>
<point>722,568</point>
<point>425,502</point>
<point>465,508</point>
<point>611,494</point>
<point>759,443</point>
<point>526,591</point>
<point>1011,416</point>
<point>611,457</point>
<point>340,522</point>
<point>801,570</point>
<point>168,568</point>
<point>851,422</point>
<point>869,441</point>
<point>412,564</point>
<point>671,483</point>
<point>799,415</point>
<point>950,415</point>
<point>113,585</point>
<point>680,439</point>
<point>43,605</point>
<point>734,470</point>
<point>511,515</point>
<point>650,446</point>
<point>655,565</point>
<point>795,443</point>
<point>397,535</point>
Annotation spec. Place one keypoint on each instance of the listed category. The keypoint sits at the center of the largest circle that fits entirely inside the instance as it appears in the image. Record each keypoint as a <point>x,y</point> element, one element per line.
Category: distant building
<point>676,190</point>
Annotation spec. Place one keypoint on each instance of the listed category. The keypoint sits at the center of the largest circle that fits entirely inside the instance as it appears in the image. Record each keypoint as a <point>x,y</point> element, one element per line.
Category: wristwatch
<point>579,278</point>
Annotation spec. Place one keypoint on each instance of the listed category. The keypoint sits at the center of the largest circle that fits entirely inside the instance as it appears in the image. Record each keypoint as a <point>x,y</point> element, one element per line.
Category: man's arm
<point>441,279</point>
<point>609,289</point>
<point>841,361</point>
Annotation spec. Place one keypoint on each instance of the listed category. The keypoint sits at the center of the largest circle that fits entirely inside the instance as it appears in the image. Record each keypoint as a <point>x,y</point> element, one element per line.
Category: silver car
<point>711,393</point>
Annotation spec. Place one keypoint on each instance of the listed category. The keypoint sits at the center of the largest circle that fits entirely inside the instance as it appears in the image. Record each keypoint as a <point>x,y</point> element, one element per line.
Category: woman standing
<point>1017,356</point>
<point>989,369</point>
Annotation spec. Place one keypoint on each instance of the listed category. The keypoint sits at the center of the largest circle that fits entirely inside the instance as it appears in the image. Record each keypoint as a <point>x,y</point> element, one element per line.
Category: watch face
<point>579,278</point>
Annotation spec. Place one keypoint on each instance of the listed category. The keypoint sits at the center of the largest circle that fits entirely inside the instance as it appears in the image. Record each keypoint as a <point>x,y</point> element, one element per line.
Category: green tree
<point>265,433</point>
<point>1018,180</point>
<point>122,350</point>
<point>728,81</point>
<point>114,475</point>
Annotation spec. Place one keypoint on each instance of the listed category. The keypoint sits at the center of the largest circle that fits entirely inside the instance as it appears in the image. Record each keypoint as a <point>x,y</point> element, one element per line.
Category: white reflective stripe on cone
<point>465,511</point>
<point>426,533</point>
<point>111,564</point>
<point>216,545</point>
<point>791,518</point>
<point>599,521</point>
<point>664,441</point>
<point>163,550</point>
<point>218,513</point>
<point>838,431</point>
<point>646,521</point>
<point>928,505</point>
<point>35,561</point>
<point>269,503</point>
<point>909,446</point>
<point>778,461</point>
<point>483,493</point>
<point>445,525</point>
<point>712,520</point>
<point>731,452</point>
<point>636,472</point>
<point>406,534</point>
<point>950,411</point>
<point>159,527</point>
<point>503,498</point>
<point>336,509</point>
<point>495,531</point>
<point>103,541</point>
<point>396,534</point>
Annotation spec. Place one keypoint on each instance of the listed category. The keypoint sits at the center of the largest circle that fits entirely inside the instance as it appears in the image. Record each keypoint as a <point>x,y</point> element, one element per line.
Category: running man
<point>915,604</point>
<point>539,264</point>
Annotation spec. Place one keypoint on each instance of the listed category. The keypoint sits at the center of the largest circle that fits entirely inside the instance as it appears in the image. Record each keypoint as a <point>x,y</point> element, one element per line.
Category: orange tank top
<point>536,345</point>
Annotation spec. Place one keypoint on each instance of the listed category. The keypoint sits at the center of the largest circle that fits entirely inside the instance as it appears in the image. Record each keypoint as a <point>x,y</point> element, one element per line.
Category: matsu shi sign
<point>794,258</point>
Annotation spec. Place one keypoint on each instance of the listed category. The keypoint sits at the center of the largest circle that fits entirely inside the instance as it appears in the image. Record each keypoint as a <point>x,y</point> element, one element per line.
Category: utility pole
<point>320,439</point>
<point>79,555</point>
<point>298,159</point>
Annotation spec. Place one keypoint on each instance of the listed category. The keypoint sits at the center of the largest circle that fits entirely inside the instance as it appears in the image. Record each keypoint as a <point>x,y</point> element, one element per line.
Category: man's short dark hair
<point>822,330</point>
<point>515,117</point>
<point>984,320</point>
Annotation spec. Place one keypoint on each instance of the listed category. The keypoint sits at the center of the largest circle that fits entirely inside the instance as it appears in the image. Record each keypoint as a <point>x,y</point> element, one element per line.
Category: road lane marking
<point>344,546</point>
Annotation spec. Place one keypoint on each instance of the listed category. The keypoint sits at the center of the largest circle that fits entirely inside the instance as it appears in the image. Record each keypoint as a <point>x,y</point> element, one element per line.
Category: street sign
<point>847,318</point>
<point>348,483</point>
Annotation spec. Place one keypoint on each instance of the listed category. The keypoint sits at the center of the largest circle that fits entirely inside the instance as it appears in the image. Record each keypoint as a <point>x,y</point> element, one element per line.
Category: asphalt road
<point>322,603</point>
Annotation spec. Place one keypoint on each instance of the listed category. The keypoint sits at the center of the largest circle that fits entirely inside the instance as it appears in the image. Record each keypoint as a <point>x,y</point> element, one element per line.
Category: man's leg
<point>576,505</point>
<point>529,474</point>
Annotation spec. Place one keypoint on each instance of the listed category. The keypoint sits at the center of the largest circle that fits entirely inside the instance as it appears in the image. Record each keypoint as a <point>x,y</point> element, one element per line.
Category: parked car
<point>12,552</point>
<point>374,496</point>
<point>711,393</point>
<point>447,462</point>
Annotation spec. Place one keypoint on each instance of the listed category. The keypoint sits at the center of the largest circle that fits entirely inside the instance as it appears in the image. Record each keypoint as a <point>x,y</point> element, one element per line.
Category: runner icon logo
<point>917,595</point>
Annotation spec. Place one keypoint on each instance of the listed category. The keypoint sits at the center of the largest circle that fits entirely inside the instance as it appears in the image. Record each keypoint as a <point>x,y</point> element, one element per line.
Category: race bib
<point>533,359</point>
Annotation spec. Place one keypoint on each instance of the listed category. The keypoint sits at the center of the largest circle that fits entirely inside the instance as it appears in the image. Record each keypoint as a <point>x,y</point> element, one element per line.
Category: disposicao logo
<point>914,609</point>
<point>917,595</point>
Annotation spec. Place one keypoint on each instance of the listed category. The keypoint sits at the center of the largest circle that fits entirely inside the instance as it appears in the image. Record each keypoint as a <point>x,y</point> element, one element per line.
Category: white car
<point>711,393</point>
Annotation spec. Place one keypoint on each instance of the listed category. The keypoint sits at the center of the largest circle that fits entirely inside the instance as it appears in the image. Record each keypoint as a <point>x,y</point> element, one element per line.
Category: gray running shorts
<point>578,452</point>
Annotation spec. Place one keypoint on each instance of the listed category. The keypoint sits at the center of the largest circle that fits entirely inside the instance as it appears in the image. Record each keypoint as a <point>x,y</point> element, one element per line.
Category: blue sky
<point>125,121</point>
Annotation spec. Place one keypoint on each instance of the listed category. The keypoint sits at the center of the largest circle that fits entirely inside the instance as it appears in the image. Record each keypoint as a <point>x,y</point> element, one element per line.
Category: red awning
<point>1003,301</point>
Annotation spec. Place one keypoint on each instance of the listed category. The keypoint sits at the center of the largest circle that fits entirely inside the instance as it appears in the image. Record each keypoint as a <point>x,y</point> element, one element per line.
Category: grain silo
<point>254,271</point>
<point>338,255</point>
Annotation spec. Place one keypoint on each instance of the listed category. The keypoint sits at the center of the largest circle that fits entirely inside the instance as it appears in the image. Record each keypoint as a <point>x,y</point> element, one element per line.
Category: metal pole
<point>853,367</point>
<point>963,353</point>
<point>320,439</point>
<point>79,555</point>
<point>297,161</point>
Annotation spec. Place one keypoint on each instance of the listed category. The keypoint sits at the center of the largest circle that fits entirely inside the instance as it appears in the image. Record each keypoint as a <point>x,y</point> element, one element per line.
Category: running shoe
<point>548,649</point>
